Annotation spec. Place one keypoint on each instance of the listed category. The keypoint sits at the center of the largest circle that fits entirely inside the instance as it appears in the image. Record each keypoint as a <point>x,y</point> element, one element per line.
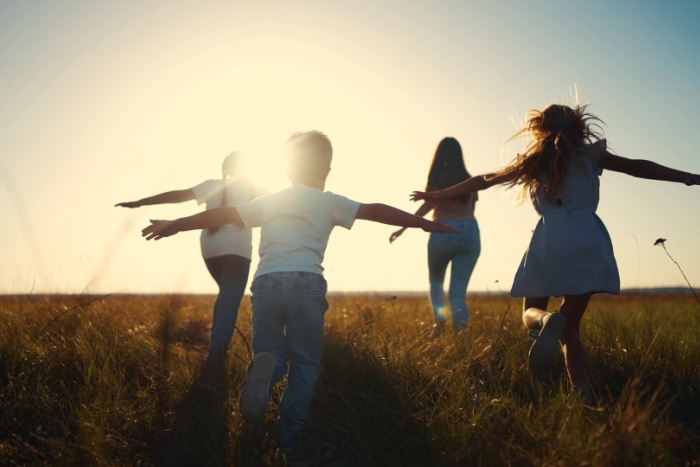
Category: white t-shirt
<point>296,223</point>
<point>228,239</point>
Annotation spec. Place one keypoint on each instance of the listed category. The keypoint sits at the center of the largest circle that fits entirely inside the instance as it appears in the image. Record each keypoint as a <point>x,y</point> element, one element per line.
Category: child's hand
<point>418,195</point>
<point>396,234</point>
<point>691,179</point>
<point>436,227</point>
<point>128,204</point>
<point>160,229</point>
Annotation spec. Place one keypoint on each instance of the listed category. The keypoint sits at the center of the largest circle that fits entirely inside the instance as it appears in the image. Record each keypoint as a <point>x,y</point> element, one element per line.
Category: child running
<point>226,250</point>
<point>289,290</point>
<point>570,253</point>
<point>462,250</point>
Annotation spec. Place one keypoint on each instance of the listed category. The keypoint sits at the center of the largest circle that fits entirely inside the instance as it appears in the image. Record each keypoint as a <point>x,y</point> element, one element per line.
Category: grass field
<point>117,380</point>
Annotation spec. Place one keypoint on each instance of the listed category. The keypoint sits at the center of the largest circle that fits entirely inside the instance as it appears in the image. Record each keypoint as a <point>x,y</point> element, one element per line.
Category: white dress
<point>570,252</point>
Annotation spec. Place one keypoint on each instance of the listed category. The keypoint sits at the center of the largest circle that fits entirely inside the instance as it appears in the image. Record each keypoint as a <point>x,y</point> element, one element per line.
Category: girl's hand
<point>419,195</point>
<point>691,179</point>
<point>436,227</point>
<point>160,229</point>
<point>396,234</point>
<point>129,204</point>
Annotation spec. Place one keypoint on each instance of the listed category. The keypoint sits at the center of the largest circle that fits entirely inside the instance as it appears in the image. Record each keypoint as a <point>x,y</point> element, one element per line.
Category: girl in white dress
<point>570,253</point>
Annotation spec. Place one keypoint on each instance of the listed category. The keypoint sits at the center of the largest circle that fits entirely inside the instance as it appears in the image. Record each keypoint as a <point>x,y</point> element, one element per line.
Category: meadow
<point>119,380</point>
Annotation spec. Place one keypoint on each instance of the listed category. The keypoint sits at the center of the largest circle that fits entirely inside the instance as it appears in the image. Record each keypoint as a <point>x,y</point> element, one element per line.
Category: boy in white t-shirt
<point>289,291</point>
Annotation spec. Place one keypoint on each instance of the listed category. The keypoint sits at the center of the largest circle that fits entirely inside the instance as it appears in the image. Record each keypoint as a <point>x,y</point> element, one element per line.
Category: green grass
<point>118,380</point>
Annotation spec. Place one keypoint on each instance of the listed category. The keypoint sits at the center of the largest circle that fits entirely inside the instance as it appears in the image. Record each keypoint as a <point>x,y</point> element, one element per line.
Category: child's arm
<point>476,183</point>
<point>204,220</point>
<point>177,196</point>
<point>647,169</point>
<point>392,216</point>
<point>424,209</point>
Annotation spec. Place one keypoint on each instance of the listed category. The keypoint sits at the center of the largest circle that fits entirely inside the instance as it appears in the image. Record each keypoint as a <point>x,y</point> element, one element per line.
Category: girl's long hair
<point>448,167</point>
<point>557,134</point>
<point>228,169</point>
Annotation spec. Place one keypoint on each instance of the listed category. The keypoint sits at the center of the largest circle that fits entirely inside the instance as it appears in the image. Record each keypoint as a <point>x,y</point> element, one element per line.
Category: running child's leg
<point>438,260</point>
<point>231,275</point>
<point>573,308</point>
<point>534,310</point>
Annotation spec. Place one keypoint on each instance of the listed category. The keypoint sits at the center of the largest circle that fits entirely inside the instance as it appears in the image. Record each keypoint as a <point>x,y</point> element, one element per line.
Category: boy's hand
<point>128,204</point>
<point>160,229</point>
<point>436,227</point>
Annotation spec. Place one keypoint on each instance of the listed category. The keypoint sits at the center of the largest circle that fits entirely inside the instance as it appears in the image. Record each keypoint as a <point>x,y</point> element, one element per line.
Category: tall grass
<point>119,381</point>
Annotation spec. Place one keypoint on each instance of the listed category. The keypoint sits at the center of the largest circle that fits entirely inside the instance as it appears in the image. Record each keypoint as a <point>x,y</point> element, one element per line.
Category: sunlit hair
<point>310,154</point>
<point>229,169</point>
<point>557,135</point>
<point>448,167</point>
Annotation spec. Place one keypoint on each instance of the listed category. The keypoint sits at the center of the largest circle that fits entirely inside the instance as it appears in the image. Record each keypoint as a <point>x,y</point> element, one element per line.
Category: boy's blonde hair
<point>557,135</point>
<point>310,154</point>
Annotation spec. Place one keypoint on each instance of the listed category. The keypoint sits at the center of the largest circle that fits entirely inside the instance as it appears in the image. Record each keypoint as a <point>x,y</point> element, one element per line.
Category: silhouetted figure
<point>226,249</point>
<point>462,249</point>
<point>289,290</point>
<point>570,254</point>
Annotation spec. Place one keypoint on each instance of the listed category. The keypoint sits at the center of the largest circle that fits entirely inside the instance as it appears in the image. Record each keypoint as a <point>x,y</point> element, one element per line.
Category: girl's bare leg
<point>534,309</point>
<point>573,308</point>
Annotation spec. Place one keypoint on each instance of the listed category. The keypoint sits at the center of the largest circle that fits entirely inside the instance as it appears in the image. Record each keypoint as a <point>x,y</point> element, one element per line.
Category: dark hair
<point>448,167</point>
<point>557,135</point>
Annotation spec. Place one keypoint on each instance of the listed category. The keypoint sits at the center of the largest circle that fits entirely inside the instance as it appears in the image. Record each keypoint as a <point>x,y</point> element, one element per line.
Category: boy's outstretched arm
<point>647,169</point>
<point>204,220</point>
<point>424,209</point>
<point>389,215</point>
<point>470,185</point>
<point>177,196</point>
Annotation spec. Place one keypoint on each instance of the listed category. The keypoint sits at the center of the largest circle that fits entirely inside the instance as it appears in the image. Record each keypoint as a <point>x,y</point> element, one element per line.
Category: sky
<point>104,102</point>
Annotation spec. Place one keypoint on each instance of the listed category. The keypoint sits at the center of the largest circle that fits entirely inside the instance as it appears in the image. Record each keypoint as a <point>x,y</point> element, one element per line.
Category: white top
<point>295,226</point>
<point>228,239</point>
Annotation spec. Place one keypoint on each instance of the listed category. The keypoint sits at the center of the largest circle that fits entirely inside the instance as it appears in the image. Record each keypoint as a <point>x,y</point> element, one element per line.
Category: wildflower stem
<point>663,245</point>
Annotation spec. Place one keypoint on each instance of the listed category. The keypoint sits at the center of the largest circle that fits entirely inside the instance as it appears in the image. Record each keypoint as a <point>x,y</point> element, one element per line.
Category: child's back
<point>570,251</point>
<point>295,226</point>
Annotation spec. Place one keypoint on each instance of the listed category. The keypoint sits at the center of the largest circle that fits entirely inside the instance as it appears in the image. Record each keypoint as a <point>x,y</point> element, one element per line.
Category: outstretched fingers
<point>418,196</point>
<point>158,229</point>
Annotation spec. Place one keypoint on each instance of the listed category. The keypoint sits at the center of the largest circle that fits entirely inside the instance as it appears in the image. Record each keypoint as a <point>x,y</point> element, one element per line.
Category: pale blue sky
<point>112,101</point>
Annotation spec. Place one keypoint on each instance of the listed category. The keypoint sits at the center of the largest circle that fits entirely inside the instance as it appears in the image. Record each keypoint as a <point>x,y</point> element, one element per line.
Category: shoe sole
<point>256,390</point>
<point>543,350</point>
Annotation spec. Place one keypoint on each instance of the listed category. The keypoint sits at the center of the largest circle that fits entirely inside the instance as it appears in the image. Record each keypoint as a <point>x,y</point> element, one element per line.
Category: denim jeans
<point>288,314</point>
<point>231,275</point>
<point>462,250</point>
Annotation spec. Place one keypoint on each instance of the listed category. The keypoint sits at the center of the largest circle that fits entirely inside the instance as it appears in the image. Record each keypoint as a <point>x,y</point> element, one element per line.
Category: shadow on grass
<point>359,415</point>
<point>200,434</point>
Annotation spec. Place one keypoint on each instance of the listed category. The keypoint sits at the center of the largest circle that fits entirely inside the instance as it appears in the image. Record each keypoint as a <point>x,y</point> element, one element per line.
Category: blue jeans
<point>231,275</point>
<point>462,250</point>
<point>288,313</point>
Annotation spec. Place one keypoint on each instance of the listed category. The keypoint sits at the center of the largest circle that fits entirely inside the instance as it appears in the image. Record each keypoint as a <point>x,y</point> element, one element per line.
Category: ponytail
<point>223,201</point>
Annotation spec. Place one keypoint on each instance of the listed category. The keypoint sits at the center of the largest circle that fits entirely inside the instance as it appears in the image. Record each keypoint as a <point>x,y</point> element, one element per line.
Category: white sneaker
<point>543,349</point>
<point>256,390</point>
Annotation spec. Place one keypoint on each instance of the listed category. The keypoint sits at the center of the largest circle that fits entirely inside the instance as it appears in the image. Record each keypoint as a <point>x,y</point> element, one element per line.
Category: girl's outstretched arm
<point>424,209</point>
<point>476,183</point>
<point>177,196</point>
<point>647,169</point>
<point>204,220</point>
<point>392,216</point>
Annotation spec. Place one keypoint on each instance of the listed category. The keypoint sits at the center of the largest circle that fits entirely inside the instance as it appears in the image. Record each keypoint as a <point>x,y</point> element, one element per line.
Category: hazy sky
<point>105,102</point>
